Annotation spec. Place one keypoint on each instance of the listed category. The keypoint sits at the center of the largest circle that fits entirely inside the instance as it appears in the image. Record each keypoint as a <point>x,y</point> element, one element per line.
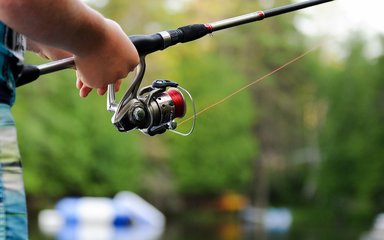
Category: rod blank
<point>292,7</point>
<point>260,15</point>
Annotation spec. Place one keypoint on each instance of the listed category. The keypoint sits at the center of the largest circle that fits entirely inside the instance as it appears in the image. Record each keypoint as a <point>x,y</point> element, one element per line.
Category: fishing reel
<point>152,109</point>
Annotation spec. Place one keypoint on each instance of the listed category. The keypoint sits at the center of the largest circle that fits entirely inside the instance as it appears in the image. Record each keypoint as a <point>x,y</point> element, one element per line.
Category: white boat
<point>126,216</point>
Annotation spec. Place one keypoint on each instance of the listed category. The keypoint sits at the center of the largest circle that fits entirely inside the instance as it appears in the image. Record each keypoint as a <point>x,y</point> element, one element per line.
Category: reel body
<point>152,109</point>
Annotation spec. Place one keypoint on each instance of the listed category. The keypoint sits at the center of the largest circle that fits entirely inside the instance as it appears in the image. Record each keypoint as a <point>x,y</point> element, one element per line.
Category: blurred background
<point>299,155</point>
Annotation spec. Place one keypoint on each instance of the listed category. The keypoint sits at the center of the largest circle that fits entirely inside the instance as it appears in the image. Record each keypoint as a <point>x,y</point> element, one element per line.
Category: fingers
<point>117,85</point>
<point>85,90</point>
<point>103,90</point>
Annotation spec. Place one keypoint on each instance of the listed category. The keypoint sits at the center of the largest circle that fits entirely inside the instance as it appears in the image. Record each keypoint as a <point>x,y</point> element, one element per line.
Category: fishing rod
<point>153,109</point>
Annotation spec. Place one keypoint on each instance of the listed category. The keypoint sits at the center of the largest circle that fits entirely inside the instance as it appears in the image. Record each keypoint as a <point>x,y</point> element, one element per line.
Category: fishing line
<point>249,85</point>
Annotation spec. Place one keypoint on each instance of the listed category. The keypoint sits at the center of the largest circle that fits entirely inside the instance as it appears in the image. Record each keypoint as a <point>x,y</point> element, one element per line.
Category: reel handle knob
<point>160,83</point>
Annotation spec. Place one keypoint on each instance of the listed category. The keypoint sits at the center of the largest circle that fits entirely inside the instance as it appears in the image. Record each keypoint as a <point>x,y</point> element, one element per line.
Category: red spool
<point>178,99</point>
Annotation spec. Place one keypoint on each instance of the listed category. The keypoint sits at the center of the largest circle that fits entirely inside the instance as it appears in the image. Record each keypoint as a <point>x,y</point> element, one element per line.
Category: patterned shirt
<point>12,47</point>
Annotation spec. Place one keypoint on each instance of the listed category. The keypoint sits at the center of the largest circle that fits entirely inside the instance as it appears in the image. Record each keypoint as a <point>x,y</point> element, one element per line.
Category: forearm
<point>42,21</point>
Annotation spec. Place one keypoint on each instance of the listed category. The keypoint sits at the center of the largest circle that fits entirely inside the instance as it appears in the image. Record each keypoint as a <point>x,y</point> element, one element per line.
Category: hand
<point>55,54</point>
<point>119,57</point>
<point>107,63</point>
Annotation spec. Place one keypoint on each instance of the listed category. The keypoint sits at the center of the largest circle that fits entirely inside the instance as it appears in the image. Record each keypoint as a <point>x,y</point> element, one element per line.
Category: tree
<point>350,181</point>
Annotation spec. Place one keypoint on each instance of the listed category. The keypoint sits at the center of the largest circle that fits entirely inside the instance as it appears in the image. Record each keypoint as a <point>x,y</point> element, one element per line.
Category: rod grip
<point>193,32</point>
<point>146,44</point>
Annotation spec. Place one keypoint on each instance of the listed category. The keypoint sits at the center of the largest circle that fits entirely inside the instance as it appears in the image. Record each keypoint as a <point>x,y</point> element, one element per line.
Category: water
<point>219,226</point>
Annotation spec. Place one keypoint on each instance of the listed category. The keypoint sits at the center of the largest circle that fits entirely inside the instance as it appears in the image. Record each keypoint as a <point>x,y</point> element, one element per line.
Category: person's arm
<point>103,52</point>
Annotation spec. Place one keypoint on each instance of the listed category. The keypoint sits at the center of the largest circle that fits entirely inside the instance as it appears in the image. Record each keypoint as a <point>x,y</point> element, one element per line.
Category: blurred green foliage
<point>350,179</point>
